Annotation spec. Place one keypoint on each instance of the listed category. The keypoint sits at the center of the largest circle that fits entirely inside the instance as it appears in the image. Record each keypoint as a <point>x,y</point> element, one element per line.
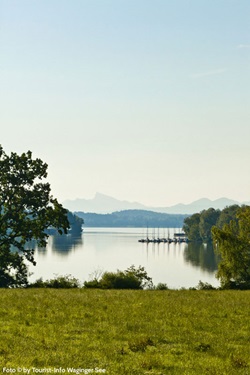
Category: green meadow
<point>124,332</point>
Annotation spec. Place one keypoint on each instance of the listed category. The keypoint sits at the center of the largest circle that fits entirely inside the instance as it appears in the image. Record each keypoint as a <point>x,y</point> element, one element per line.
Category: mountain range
<point>104,204</point>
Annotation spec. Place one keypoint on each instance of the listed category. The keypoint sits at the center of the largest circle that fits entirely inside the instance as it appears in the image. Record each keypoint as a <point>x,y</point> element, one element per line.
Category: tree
<point>198,226</point>
<point>226,215</point>
<point>233,245</point>
<point>191,227</point>
<point>75,223</point>
<point>208,219</point>
<point>27,211</point>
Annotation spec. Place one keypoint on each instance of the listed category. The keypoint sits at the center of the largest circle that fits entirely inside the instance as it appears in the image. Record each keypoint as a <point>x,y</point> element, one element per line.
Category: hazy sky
<point>143,100</point>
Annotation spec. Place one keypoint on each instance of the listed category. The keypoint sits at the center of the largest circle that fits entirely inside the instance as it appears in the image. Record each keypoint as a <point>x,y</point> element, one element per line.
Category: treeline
<point>229,230</point>
<point>198,226</point>
<point>133,218</point>
<point>75,225</point>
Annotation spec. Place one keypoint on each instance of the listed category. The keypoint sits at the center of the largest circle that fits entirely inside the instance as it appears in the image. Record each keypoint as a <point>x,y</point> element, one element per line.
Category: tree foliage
<point>131,278</point>
<point>208,219</point>
<point>27,210</point>
<point>227,214</point>
<point>198,227</point>
<point>191,227</point>
<point>58,282</point>
<point>233,245</point>
<point>75,223</point>
<point>133,218</point>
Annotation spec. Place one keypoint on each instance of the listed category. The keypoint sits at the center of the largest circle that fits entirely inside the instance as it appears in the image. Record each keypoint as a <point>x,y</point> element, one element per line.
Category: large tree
<point>27,210</point>
<point>208,219</point>
<point>233,245</point>
<point>191,227</point>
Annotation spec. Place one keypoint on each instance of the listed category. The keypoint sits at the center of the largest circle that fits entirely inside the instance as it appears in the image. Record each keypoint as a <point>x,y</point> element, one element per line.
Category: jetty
<point>178,238</point>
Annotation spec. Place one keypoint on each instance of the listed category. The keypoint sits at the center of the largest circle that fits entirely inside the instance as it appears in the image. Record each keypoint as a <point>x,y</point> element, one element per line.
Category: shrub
<point>161,286</point>
<point>131,278</point>
<point>120,280</point>
<point>205,286</point>
<point>244,285</point>
<point>65,282</point>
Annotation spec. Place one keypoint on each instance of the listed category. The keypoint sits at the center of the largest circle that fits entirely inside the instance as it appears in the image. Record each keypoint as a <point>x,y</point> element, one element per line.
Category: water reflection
<point>64,244</point>
<point>201,255</point>
<point>194,253</point>
<point>42,251</point>
<point>109,249</point>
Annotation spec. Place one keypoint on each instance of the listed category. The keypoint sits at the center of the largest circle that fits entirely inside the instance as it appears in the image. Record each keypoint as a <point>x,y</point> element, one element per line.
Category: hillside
<point>132,218</point>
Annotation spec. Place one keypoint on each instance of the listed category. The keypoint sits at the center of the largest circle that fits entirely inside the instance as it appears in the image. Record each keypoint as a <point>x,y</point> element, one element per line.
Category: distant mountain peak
<point>101,195</point>
<point>102,203</point>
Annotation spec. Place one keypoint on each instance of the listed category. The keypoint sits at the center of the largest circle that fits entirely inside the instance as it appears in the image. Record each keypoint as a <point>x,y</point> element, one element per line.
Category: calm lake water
<point>109,249</point>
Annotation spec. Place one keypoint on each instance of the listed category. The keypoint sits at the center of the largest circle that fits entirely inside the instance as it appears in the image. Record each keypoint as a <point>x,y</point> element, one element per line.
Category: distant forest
<point>198,227</point>
<point>133,219</point>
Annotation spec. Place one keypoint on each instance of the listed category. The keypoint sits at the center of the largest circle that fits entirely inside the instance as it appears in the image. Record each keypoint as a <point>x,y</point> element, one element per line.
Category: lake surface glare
<point>109,249</point>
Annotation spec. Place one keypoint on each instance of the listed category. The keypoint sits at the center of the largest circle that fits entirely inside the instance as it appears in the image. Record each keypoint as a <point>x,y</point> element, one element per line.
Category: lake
<point>109,249</point>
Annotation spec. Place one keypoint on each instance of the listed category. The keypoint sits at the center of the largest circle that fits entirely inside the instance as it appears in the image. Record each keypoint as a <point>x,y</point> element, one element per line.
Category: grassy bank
<point>125,332</point>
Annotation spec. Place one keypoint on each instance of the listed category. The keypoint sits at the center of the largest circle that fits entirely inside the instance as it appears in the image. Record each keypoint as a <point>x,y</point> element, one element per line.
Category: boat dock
<point>178,238</point>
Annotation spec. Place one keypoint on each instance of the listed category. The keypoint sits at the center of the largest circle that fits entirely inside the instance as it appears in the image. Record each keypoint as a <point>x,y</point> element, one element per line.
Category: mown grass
<point>126,332</point>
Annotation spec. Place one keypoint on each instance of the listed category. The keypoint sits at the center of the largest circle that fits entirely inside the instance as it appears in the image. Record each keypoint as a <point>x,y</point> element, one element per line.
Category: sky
<point>142,100</point>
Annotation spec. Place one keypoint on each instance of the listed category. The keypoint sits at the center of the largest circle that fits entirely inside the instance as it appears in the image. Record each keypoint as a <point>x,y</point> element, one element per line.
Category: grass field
<point>124,332</point>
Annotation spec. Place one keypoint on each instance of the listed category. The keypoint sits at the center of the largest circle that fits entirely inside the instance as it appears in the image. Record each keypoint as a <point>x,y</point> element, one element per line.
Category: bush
<point>205,286</point>
<point>244,285</point>
<point>161,286</point>
<point>62,282</point>
<point>132,278</point>
<point>120,280</point>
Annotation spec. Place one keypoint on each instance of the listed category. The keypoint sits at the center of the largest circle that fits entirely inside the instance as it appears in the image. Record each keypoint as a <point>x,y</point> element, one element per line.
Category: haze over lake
<point>109,249</point>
